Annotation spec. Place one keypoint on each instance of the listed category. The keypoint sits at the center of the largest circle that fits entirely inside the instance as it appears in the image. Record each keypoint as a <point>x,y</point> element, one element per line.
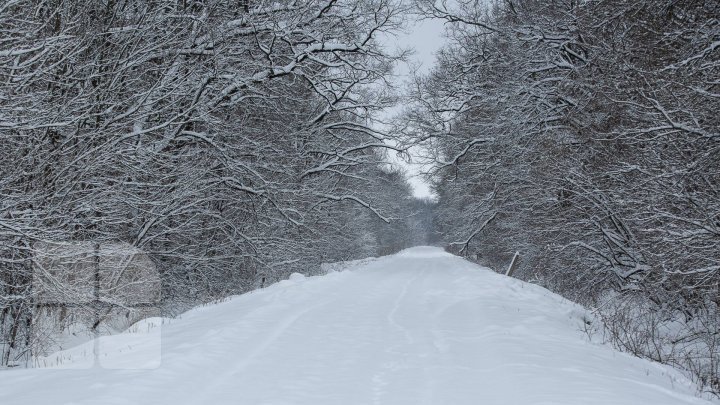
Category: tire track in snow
<point>396,306</point>
<point>265,343</point>
<point>380,378</point>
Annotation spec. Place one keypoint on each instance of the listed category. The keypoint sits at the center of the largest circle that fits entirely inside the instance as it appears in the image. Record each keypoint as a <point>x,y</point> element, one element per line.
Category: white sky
<point>425,38</point>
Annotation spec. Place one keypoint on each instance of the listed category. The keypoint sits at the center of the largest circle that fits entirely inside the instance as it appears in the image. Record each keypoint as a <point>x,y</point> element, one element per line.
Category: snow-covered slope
<point>419,327</point>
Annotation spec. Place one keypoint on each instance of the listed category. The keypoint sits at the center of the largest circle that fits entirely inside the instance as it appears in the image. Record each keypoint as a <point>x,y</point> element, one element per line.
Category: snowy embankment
<point>419,327</point>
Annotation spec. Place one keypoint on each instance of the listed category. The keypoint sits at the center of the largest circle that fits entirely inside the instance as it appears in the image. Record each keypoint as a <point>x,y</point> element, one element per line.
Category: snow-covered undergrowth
<point>138,347</point>
<point>345,265</point>
<point>418,327</point>
<point>689,341</point>
<point>59,338</point>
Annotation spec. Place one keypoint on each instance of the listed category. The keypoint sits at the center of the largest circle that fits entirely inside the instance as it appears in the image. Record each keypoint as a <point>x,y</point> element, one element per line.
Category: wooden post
<point>96,307</point>
<point>513,264</point>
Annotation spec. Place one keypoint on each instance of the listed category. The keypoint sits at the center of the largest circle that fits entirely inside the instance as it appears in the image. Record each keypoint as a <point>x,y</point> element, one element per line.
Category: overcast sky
<point>425,38</point>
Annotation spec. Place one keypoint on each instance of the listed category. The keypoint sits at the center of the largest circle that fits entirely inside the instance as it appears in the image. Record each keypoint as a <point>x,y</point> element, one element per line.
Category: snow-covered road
<point>419,327</point>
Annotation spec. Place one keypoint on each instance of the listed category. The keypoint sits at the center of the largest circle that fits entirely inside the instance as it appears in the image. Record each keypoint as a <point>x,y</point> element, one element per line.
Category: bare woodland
<point>231,143</point>
<point>585,135</point>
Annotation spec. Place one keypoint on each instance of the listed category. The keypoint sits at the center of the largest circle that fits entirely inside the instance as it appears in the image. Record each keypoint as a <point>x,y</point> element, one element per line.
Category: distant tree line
<point>586,135</point>
<point>232,142</point>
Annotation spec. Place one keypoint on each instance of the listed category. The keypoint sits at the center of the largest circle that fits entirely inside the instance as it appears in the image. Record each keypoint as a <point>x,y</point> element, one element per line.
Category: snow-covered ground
<point>419,327</point>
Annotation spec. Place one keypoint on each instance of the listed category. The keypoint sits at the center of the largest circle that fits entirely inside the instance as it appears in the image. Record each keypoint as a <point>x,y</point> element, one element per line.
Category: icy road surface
<point>419,327</point>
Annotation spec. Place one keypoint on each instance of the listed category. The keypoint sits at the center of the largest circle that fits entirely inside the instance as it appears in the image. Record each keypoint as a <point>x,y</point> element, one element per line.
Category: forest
<point>585,135</point>
<point>228,144</point>
<point>231,145</point>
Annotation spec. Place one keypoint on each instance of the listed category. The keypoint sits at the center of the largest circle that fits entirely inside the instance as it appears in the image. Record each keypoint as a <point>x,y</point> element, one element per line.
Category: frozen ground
<point>419,327</point>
